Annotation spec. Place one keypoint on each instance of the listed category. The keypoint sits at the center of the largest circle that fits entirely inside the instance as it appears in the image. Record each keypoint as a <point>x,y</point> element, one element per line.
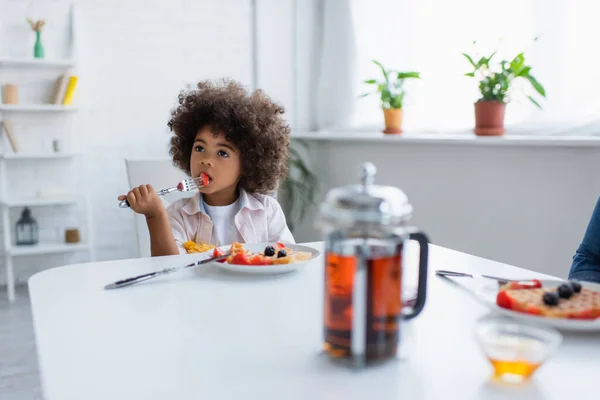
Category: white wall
<point>522,205</point>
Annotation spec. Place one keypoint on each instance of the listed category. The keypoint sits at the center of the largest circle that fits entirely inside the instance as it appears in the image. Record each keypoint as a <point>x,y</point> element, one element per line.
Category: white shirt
<point>259,219</point>
<point>223,218</point>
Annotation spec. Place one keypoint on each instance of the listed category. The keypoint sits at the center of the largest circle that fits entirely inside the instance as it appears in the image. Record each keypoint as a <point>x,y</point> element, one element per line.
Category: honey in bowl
<point>515,358</point>
<point>515,350</point>
<point>513,370</point>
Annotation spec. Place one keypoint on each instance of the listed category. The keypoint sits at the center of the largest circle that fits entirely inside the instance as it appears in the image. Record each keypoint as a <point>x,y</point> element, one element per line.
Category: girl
<point>240,142</point>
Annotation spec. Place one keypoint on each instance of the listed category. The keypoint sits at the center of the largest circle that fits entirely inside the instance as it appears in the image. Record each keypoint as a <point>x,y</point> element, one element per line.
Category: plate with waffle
<point>565,305</point>
<point>265,258</point>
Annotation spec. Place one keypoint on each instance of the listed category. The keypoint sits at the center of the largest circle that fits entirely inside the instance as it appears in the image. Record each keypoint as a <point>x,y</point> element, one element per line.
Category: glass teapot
<point>365,231</point>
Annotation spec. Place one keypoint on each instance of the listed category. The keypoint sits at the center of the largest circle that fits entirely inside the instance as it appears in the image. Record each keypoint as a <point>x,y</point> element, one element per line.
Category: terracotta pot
<point>393,120</point>
<point>489,118</point>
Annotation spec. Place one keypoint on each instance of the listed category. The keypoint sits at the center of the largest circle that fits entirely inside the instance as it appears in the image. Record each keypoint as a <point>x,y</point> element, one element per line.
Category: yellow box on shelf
<point>69,93</point>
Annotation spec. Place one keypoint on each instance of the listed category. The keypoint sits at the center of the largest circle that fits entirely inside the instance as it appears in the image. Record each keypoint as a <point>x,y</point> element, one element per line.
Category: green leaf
<point>524,72</point>
<point>517,63</point>
<point>484,61</point>
<point>371,81</point>
<point>302,142</point>
<point>468,57</point>
<point>536,85</point>
<point>396,101</point>
<point>386,95</point>
<point>293,154</point>
<point>471,74</point>
<point>404,75</point>
<point>366,94</point>
<point>385,74</point>
<point>534,102</point>
<point>303,169</point>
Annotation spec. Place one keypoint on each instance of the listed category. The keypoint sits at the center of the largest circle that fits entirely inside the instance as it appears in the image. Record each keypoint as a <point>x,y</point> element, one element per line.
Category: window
<point>429,36</point>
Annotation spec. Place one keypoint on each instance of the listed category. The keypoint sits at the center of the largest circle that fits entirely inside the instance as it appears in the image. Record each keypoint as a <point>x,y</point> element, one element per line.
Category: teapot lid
<point>366,202</point>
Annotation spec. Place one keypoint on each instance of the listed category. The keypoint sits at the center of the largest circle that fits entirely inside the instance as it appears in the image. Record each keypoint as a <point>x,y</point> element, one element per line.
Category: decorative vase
<point>489,118</point>
<point>38,48</point>
<point>393,120</point>
<point>10,94</point>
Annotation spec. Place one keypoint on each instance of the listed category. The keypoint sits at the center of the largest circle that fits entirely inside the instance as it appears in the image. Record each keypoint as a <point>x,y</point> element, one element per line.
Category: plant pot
<point>489,118</point>
<point>393,120</point>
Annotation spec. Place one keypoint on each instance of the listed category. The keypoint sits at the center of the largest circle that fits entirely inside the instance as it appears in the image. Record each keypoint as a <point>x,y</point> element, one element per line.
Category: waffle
<point>239,255</point>
<point>583,305</point>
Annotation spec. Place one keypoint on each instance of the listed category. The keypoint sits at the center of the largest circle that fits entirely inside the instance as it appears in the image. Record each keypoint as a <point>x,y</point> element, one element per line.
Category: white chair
<point>160,173</point>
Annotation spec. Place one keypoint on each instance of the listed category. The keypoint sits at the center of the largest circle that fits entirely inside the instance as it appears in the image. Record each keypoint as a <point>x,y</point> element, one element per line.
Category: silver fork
<point>184,186</point>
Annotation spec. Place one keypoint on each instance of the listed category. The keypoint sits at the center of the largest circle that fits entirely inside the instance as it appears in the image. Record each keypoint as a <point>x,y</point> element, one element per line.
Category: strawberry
<point>587,313</point>
<point>280,245</point>
<point>205,179</point>
<point>532,284</point>
<point>218,252</point>
<point>503,300</point>
<point>241,259</point>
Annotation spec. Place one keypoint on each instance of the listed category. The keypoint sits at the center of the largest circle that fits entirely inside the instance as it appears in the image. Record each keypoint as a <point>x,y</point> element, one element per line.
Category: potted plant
<point>299,186</point>
<point>36,26</point>
<point>494,87</point>
<point>391,91</point>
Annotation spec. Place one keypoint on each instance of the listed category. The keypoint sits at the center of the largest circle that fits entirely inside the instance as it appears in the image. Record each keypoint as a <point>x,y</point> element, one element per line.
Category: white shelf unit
<point>25,108</point>
<point>35,63</point>
<point>46,248</point>
<point>36,156</point>
<point>61,201</point>
<point>9,201</point>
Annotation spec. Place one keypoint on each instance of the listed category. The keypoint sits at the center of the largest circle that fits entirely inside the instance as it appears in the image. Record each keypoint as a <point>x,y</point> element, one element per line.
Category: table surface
<point>206,333</point>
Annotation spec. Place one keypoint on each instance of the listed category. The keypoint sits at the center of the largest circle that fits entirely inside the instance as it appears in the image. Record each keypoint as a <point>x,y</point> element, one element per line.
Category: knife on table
<point>464,274</point>
<point>144,277</point>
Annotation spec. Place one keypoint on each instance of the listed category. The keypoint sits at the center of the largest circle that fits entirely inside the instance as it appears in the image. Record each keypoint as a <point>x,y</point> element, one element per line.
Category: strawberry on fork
<point>204,178</point>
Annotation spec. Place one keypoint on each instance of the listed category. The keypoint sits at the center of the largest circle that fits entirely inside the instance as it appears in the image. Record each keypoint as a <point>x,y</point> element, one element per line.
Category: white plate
<point>487,292</point>
<point>268,269</point>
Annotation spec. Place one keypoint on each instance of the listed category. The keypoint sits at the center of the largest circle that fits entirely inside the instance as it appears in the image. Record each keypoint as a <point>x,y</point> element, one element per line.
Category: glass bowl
<point>515,350</point>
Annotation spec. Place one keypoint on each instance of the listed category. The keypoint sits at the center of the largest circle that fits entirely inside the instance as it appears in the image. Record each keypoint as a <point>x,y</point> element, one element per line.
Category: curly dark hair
<point>251,121</point>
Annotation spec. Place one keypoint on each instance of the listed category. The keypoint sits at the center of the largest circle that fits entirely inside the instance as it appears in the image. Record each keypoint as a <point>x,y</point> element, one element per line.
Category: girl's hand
<point>144,200</point>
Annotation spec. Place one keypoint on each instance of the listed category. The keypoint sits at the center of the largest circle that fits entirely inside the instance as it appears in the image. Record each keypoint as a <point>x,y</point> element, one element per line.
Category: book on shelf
<point>64,89</point>
<point>60,87</point>
<point>8,128</point>
<point>70,91</point>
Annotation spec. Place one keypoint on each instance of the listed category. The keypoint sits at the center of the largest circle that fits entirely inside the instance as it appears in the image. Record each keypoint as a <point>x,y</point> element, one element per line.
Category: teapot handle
<point>423,241</point>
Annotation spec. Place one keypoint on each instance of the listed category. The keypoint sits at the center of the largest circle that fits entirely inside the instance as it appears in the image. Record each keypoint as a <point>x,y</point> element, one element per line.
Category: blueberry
<point>281,253</point>
<point>576,286</point>
<point>269,251</point>
<point>550,298</point>
<point>565,291</point>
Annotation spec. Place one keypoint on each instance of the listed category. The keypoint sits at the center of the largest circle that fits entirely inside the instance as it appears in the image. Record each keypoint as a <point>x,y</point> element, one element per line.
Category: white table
<point>205,334</point>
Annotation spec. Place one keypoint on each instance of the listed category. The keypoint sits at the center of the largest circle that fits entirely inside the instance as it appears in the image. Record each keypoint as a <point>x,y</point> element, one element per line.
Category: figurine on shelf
<point>27,229</point>
<point>72,235</point>
<point>38,48</point>
<point>56,145</point>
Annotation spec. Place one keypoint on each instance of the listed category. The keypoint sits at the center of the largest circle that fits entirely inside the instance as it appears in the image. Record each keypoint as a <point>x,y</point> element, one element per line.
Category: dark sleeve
<point>586,261</point>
